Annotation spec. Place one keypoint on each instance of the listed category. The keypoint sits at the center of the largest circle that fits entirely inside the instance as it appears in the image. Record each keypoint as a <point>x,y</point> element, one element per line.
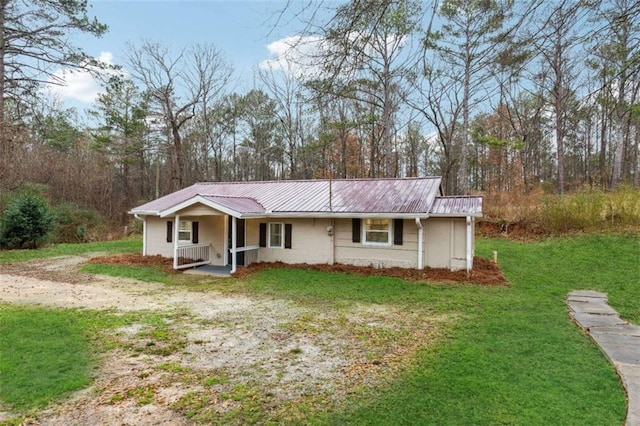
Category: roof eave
<point>199,199</point>
<point>460,214</point>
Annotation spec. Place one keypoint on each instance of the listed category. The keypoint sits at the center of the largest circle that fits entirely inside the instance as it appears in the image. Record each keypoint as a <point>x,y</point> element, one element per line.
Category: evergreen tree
<point>27,219</point>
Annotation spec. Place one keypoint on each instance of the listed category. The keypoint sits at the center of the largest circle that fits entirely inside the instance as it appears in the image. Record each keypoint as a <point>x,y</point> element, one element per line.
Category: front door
<point>239,240</point>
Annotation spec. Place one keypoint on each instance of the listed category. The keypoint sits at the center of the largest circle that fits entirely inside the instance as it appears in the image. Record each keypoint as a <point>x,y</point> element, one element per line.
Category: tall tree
<point>34,42</point>
<point>616,60</point>
<point>559,40</point>
<point>122,136</point>
<point>466,45</point>
<point>366,61</point>
<point>180,86</point>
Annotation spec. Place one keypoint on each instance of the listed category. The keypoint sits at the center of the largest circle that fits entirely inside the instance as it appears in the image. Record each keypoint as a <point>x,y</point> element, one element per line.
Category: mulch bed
<point>163,263</point>
<point>484,271</point>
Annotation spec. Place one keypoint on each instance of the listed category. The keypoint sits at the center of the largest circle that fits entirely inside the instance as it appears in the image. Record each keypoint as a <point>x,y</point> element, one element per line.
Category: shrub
<point>27,219</point>
<point>586,210</point>
<point>75,224</point>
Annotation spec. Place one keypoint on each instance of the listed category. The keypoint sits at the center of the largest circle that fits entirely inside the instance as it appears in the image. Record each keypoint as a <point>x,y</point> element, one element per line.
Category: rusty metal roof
<point>406,196</point>
<point>457,206</point>
<point>239,204</point>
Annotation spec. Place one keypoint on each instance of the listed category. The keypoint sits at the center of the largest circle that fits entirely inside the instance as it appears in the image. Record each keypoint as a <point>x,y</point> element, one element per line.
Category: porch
<point>210,270</point>
<point>198,255</point>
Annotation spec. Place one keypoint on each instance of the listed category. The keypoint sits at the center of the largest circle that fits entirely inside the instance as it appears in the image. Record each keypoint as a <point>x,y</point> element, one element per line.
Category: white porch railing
<point>250,254</point>
<point>192,255</point>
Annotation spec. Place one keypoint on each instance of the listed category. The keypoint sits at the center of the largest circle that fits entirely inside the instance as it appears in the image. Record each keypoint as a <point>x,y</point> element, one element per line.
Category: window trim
<point>389,242</point>
<point>190,231</point>
<point>281,224</point>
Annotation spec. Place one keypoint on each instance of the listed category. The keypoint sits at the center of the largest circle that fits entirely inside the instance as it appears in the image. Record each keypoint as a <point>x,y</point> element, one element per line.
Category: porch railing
<point>250,254</point>
<point>192,255</point>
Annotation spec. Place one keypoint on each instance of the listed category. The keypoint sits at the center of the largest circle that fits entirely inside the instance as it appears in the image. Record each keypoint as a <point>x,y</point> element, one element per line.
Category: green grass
<point>512,356</point>
<point>45,354</point>
<point>122,246</point>
<point>515,357</point>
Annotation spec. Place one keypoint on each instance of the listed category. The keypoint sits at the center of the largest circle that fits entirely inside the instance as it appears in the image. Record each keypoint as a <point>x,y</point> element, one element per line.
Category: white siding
<point>157,237</point>
<point>445,240</point>
<point>404,256</point>
<point>210,230</point>
<point>310,241</point>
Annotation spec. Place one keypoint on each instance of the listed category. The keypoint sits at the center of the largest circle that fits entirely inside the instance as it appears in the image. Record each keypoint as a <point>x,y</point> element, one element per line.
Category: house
<point>404,223</point>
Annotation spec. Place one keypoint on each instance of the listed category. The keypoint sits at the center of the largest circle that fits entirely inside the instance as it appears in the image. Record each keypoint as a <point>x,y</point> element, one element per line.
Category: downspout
<point>176,225</point>
<point>234,257</point>
<point>144,232</point>
<point>332,223</point>
<point>420,245</point>
<point>469,247</point>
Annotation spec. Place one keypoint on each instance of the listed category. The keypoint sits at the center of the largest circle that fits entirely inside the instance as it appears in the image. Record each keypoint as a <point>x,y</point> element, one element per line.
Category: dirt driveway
<point>213,357</point>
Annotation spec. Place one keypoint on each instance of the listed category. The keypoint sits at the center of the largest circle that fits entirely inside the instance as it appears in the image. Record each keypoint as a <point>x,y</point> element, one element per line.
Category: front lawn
<point>516,358</point>
<point>129,245</point>
<point>511,356</point>
<point>45,354</point>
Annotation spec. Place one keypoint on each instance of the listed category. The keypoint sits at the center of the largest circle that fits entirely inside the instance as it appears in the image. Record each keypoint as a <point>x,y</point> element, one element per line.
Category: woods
<point>495,96</point>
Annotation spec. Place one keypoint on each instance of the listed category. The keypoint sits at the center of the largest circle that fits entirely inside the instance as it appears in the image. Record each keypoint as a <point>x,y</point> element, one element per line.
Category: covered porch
<point>210,232</point>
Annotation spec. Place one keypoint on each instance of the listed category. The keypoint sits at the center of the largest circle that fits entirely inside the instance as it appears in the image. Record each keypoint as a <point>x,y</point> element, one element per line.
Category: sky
<point>248,33</point>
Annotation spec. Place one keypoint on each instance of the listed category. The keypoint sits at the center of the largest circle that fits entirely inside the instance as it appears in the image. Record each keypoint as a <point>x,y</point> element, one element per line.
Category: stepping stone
<point>619,340</point>
<point>587,293</point>
<point>590,321</point>
<point>595,307</point>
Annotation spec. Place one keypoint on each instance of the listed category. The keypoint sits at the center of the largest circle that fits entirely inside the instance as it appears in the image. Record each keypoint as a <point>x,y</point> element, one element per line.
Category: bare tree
<point>558,43</point>
<point>180,85</point>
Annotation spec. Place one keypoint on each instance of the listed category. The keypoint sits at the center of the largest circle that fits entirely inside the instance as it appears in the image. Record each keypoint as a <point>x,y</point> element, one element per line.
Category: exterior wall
<point>211,230</point>
<point>157,237</point>
<point>445,240</point>
<point>310,241</point>
<point>404,256</point>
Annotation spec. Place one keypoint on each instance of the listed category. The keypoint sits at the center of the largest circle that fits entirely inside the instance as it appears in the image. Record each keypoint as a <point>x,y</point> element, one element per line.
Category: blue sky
<point>241,30</point>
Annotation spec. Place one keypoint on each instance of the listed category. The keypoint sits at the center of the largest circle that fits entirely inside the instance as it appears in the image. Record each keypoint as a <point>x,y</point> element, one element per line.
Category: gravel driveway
<point>227,355</point>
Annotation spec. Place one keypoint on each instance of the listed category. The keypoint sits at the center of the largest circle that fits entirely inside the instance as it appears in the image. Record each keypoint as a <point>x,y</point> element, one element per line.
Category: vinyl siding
<point>404,256</point>
<point>445,243</point>
<point>211,230</point>
<point>310,241</point>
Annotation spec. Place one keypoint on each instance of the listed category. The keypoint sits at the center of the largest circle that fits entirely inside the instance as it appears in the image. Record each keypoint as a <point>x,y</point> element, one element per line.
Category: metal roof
<point>457,206</point>
<point>239,204</point>
<point>405,196</point>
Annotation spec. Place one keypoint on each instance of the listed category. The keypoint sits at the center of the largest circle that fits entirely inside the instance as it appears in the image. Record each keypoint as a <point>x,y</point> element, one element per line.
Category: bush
<point>540,213</point>
<point>75,224</point>
<point>27,219</point>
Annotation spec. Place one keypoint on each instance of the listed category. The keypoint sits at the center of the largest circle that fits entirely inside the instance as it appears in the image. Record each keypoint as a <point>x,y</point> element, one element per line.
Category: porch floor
<point>217,271</point>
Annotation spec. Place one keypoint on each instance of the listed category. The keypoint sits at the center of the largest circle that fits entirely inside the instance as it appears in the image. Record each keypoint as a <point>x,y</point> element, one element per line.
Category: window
<point>279,236</point>
<point>275,235</point>
<point>377,232</point>
<point>184,231</point>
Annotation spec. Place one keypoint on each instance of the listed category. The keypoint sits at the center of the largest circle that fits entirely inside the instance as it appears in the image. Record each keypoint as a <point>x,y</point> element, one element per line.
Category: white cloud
<point>295,55</point>
<point>303,56</point>
<point>78,85</point>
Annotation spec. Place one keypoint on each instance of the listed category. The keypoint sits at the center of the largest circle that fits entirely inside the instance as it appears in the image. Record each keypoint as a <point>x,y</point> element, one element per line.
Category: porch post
<point>176,225</point>
<point>234,256</point>
<point>469,246</point>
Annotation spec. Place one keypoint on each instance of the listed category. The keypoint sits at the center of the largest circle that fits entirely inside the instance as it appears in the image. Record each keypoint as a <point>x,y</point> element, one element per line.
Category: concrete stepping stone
<point>619,340</point>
